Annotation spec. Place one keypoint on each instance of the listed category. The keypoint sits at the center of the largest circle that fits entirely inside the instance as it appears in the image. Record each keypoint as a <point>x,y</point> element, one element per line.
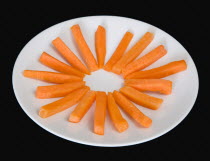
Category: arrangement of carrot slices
<point>69,82</point>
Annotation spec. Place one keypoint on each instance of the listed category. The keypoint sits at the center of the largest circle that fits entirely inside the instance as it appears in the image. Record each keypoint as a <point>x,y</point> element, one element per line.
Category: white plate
<point>174,109</point>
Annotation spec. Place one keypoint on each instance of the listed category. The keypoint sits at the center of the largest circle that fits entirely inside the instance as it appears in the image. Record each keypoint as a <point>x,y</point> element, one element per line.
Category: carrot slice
<point>119,51</point>
<point>100,45</point>
<point>51,77</point>
<point>132,110</point>
<point>83,106</point>
<point>141,98</point>
<point>100,113</point>
<point>160,72</point>
<point>119,122</point>
<point>85,50</point>
<point>133,53</point>
<point>60,90</point>
<point>69,55</point>
<point>63,103</point>
<point>55,64</point>
<point>144,61</point>
<point>156,85</point>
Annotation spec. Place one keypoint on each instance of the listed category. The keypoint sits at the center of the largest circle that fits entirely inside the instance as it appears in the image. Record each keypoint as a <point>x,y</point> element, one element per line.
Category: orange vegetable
<point>132,110</point>
<point>83,106</point>
<point>51,77</point>
<point>144,61</point>
<point>160,72</point>
<point>141,98</point>
<point>133,53</point>
<point>85,50</point>
<point>100,113</point>
<point>119,122</point>
<point>63,103</point>
<point>69,55</point>
<point>119,51</point>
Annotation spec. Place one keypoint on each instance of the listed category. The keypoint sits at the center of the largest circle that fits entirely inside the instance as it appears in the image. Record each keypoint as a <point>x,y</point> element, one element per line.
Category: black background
<point>185,21</point>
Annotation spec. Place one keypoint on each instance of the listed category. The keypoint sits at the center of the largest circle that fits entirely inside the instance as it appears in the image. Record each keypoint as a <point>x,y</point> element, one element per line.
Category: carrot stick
<point>69,55</point>
<point>119,122</point>
<point>63,103</point>
<point>133,53</point>
<point>141,98</point>
<point>100,113</point>
<point>100,45</point>
<point>144,61</point>
<point>156,85</point>
<point>85,50</point>
<point>51,77</point>
<point>160,72</point>
<point>132,110</point>
<point>60,90</point>
<point>119,51</point>
<point>83,106</point>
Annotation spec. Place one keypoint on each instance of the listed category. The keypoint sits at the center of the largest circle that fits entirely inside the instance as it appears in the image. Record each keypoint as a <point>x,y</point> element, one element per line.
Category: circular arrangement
<point>146,107</point>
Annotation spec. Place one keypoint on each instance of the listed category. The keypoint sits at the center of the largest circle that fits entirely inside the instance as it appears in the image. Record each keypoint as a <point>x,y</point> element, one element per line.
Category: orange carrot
<point>160,72</point>
<point>133,53</point>
<point>156,85</point>
<point>100,113</point>
<point>85,50</point>
<point>100,45</point>
<point>119,122</point>
<point>141,98</point>
<point>63,103</point>
<point>69,55</point>
<point>55,64</point>
<point>144,61</point>
<point>132,110</point>
<point>83,106</point>
<point>60,90</point>
<point>119,51</point>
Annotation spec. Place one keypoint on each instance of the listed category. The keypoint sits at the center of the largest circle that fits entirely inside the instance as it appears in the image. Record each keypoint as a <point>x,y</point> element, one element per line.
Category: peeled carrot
<point>69,55</point>
<point>85,50</point>
<point>51,77</point>
<point>133,53</point>
<point>83,106</point>
<point>156,85</point>
<point>100,45</point>
<point>160,72</point>
<point>132,110</point>
<point>119,122</point>
<point>100,113</point>
<point>60,90</point>
<point>55,64</point>
<point>141,98</point>
<point>144,61</point>
<point>63,103</point>
<point>119,51</point>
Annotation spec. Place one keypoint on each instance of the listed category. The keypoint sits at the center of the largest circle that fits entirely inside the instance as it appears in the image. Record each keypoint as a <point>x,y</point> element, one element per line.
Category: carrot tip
<point>43,113</point>
<point>74,118</point>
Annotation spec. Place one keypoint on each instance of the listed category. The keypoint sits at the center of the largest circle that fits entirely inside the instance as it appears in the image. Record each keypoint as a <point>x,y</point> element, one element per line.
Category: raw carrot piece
<point>100,113</point>
<point>100,45</point>
<point>156,85</point>
<point>133,53</point>
<point>69,55</point>
<point>51,77</point>
<point>141,98</point>
<point>132,110</point>
<point>144,61</point>
<point>83,106</point>
<point>119,51</point>
<point>55,64</point>
<point>160,72</point>
<point>119,122</point>
<point>59,90</point>
<point>63,103</point>
<point>85,50</point>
